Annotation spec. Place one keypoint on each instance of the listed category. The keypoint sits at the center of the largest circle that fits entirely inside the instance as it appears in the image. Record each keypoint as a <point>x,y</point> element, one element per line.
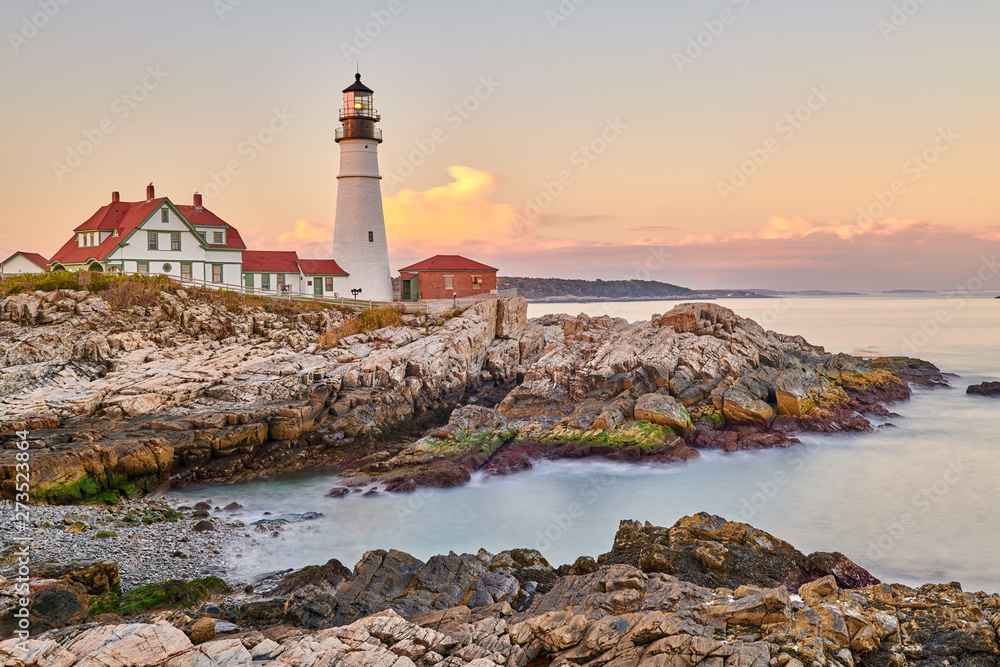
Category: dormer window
<point>217,238</point>
<point>164,216</point>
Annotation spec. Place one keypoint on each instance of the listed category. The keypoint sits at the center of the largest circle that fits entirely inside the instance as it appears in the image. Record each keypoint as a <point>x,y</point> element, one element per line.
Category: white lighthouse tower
<point>359,243</point>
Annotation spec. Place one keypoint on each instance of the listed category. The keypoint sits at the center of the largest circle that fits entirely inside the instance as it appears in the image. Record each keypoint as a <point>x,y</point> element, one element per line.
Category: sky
<point>780,144</point>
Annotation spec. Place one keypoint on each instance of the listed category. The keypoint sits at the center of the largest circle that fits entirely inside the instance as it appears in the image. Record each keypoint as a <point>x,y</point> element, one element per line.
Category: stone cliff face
<point>686,595</point>
<point>186,390</point>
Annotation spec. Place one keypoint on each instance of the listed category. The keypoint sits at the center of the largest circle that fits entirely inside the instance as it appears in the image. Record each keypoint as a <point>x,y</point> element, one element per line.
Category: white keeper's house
<point>189,242</point>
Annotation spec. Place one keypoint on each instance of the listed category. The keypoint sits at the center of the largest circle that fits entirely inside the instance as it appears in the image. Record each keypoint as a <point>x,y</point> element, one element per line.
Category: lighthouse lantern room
<point>359,115</point>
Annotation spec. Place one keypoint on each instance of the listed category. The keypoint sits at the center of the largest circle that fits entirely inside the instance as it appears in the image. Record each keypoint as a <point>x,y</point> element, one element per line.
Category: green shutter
<point>248,279</point>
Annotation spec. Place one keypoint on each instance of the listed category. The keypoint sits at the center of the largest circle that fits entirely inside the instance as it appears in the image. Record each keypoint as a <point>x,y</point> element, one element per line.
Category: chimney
<point>197,200</point>
<point>150,192</point>
<point>115,197</point>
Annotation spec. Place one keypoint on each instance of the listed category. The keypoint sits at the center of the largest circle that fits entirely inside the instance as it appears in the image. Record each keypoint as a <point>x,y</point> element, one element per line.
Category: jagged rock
<point>663,410</point>
<point>773,606</point>
<point>610,615</point>
<point>202,631</point>
<point>53,604</point>
<point>984,389</point>
<point>97,577</point>
<point>710,551</point>
<point>740,407</point>
<point>247,391</point>
<point>512,316</point>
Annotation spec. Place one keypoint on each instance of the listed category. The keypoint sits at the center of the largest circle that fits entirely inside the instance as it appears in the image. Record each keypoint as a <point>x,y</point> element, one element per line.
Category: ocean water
<point>916,501</point>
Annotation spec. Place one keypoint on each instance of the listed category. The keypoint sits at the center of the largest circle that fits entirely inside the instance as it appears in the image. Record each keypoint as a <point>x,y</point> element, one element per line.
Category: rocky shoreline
<point>705,591</point>
<point>153,541</point>
<point>118,402</point>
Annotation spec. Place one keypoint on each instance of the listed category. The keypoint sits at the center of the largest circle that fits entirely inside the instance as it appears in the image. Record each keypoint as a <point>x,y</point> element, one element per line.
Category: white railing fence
<point>357,304</point>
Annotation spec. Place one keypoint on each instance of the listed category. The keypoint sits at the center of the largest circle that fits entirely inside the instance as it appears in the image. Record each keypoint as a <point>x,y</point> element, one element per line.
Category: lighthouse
<point>359,241</point>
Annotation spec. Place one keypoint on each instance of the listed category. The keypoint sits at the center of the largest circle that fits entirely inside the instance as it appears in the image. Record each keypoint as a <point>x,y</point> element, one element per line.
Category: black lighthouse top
<point>358,86</point>
<point>359,114</point>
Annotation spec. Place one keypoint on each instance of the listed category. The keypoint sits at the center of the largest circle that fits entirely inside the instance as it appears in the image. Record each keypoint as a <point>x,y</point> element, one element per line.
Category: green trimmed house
<point>155,236</point>
<point>189,242</point>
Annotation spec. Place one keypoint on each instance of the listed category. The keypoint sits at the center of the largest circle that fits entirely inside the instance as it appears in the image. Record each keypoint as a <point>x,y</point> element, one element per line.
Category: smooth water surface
<point>916,503</point>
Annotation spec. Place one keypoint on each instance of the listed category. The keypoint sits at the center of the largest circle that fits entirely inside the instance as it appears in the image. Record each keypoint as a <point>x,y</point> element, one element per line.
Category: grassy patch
<point>105,534</point>
<point>170,594</point>
<point>126,291</point>
<point>369,320</point>
<point>112,497</point>
<point>109,603</point>
<point>71,492</point>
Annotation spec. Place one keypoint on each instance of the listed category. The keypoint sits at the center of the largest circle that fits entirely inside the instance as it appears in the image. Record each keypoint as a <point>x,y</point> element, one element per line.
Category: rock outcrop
<point>697,377</point>
<point>984,389</point>
<point>187,391</point>
<point>125,401</point>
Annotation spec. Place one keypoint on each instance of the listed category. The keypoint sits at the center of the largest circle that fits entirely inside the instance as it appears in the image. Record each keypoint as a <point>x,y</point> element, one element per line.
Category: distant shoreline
<point>598,299</point>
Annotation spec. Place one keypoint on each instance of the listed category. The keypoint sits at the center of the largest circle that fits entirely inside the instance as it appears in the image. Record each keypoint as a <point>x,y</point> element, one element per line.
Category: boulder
<point>740,407</point>
<point>709,551</point>
<point>663,410</point>
<point>97,577</point>
<point>202,630</point>
<point>792,396</point>
<point>984,389</point>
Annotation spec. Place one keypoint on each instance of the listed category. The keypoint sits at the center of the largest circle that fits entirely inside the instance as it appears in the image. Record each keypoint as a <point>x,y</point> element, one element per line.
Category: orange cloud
<point>450,218</point>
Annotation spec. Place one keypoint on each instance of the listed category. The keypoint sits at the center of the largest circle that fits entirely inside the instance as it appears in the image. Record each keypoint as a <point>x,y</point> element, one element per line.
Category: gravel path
<point>145,552</point>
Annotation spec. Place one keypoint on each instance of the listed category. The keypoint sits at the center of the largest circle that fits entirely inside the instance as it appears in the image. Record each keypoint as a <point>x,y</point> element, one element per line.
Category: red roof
<point>32,257</point>
<point>448,263</point>
<point>270,261</point>
<point>320,267</point>
<point>125,217</point>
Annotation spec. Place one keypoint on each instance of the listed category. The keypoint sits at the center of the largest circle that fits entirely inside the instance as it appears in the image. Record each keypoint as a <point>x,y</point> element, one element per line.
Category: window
<point>142,268</point>
<point>166,268</point>
<point>164,215</point>
<point>329,284</point>
<point>216,273</point>
<point>151,237</point>
<point>185,271</point>
<point>449,282</point>
<point>217,237</point>
<point>203,236</point>
<point>477,282</point>
<point>371,237</point>
<point>175,241</point>
<point>248,279</point>
<point>93,238</point>
<point>281,281</point>
<point>265,281</point>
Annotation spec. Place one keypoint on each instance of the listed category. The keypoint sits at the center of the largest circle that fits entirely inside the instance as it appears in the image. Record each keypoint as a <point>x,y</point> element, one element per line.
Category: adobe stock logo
<point>31,25</point>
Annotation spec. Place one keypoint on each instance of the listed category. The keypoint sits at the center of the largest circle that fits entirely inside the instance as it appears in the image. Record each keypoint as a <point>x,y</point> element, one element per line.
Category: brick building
<point>445,277</point>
